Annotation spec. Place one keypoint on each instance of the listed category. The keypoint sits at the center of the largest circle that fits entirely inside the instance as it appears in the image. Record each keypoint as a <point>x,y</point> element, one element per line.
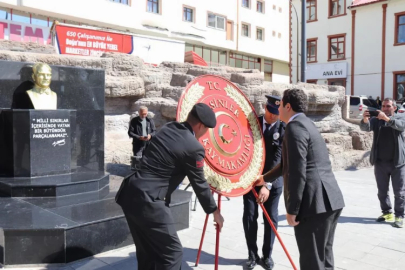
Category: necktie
<point>267,129</point>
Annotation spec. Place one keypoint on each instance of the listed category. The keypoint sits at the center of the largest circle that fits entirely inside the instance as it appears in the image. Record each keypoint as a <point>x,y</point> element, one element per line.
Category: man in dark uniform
<point>273,133</point>
<point>173,153</point>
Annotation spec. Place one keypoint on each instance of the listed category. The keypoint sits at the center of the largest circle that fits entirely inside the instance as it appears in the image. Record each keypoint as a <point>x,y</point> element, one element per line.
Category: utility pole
<point>303,40</point>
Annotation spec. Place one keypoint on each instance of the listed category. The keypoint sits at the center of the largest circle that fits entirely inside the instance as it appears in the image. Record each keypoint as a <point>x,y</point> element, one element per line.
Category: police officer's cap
<point>204,114</point>
<point>273,102</point>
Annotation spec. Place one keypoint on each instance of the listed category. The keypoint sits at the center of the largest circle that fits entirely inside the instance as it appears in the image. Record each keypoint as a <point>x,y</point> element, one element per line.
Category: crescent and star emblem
<point>221,135</point>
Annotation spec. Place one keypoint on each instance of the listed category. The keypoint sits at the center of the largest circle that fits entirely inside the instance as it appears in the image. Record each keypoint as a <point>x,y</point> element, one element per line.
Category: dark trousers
<point>383,171</point>
<point>157,244</point>
<point>138,148</point>
<point>314,237</point>
<point>250,215</point>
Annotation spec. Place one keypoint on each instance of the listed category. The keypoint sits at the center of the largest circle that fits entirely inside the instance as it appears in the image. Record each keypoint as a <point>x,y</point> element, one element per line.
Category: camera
<point>373,113</point>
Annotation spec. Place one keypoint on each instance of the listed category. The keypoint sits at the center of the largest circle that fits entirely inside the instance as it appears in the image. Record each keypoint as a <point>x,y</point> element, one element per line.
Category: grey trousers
<point>383,171</point>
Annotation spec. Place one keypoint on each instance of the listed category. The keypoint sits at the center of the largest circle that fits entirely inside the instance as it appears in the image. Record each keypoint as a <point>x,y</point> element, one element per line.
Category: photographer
<point>141,130</point>
<point>388,157</point>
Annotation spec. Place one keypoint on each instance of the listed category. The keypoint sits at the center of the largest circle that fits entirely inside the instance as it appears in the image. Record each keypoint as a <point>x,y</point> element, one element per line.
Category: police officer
<point>273,133</point>
<point>173,153</point>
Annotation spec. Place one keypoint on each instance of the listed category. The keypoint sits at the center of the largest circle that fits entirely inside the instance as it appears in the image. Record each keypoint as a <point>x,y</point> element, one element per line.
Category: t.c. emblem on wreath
<point>234,149</point>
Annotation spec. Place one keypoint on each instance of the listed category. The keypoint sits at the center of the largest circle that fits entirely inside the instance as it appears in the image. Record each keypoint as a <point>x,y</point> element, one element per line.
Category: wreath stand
<point>217,236</point>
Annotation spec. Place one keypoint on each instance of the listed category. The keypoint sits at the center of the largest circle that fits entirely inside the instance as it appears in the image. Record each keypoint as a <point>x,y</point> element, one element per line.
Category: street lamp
<point>303,41</point>
<point>296,16</point>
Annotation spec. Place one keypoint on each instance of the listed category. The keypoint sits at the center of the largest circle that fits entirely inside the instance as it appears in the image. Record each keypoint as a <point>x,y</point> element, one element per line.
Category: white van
<point>358,104</point>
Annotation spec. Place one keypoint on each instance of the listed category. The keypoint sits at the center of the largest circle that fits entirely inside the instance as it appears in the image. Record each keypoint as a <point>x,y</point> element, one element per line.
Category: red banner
<point>87,42</point>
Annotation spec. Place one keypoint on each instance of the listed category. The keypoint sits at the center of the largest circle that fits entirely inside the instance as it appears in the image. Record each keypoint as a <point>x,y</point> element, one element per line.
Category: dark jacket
<point>173,153</point>
<point>397,123</point>
<point>273,148</point>
<point>310,186</point>
<point>135,129</point>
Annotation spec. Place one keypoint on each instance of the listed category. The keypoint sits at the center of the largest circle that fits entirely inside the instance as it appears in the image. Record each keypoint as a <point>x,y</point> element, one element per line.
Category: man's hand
<point>260,180</point>
<point>263,195</point>
<point>366,116</point>
<point>218,219</point>
<point>149,137</point>
<point>291,220</point>
<point>382,116</point>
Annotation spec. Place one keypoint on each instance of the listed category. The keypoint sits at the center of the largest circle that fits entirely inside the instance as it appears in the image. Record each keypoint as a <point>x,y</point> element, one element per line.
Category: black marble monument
<point>55,202</point>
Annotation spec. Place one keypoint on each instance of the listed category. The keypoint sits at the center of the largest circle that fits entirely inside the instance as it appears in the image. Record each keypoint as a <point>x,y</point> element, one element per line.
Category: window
<point>339,82</point>
<point>244,61</point>
<point>399,85</point>
<point>125,2</point>
<point>260,6</point>
<point>216,21</point>
<point>400,28</point>
<point>337,47</point>
<point>311,10</point>
<point>245,30</point>
<point>153,6</point>
<point>40,20</point>
<point>337,8</point>
<point>312,81</point>
<point>354,101</point>
<point>268,70</point>
<point>312,50</point>
<point>213,57</point>
<point>259,33</point>
<point>188,14</point>
<point>246,3</point>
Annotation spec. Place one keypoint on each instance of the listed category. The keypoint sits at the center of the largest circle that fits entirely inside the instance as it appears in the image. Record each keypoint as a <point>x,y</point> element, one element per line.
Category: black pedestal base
<point>53,185</point>
<point>59,230</point>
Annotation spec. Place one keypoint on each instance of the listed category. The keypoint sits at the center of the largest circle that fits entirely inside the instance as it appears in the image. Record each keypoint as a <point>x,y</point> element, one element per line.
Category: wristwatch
<point>268,185</point>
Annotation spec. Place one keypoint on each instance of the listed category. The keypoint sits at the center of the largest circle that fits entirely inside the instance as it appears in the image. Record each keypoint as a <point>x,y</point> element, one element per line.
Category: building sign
<point>326,71</point>
<point>89,42</point>
<point>16,31</point>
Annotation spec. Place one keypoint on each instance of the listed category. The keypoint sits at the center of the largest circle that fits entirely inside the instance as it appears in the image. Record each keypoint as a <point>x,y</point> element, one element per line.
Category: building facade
<point>237,33</point>
<point>355,43</point>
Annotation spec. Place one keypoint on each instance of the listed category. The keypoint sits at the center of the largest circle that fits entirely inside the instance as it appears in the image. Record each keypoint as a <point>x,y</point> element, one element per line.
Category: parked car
<point>358,104</point>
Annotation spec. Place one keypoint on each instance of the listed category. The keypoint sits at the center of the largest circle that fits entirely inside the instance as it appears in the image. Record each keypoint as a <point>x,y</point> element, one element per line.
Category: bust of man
<point>42,97</point>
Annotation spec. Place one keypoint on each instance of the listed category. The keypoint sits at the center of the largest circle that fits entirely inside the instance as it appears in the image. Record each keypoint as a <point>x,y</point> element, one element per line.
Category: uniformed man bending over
<point>173,153</point>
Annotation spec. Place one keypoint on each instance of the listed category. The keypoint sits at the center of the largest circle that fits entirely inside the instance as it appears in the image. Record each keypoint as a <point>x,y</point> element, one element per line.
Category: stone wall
<point>130,84</point>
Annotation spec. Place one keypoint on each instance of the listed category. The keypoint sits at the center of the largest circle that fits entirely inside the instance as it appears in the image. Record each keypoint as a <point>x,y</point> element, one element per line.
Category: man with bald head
<point>141,130</point>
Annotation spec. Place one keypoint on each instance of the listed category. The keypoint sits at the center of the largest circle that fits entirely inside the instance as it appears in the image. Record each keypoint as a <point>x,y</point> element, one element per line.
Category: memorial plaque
<point>234,149</point>
<point>50,140</point>
<point>38,142</point>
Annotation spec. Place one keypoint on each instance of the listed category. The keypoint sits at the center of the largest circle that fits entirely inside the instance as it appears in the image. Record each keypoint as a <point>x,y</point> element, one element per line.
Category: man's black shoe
<point>268,263</point>
<point>252,262</point>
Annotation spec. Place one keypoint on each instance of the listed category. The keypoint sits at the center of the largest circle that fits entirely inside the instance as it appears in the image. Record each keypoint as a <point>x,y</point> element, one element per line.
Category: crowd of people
<point>297,163</point>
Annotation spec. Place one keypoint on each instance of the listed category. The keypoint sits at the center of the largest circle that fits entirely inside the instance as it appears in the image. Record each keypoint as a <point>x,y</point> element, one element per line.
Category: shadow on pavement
<point>360,220</point>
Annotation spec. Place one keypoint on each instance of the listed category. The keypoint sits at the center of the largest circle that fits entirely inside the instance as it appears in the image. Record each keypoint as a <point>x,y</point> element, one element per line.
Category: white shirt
<point>264,125</point>
<point>295,115</point>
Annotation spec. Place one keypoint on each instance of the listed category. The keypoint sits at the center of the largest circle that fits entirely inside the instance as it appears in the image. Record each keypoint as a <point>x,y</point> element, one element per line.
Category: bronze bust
<point>42,97</point>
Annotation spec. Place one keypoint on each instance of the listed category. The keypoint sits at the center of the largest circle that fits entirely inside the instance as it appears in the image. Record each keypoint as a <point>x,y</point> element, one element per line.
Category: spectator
<point>378,101</point>
<point>141,130</point>
<point>388,157</point>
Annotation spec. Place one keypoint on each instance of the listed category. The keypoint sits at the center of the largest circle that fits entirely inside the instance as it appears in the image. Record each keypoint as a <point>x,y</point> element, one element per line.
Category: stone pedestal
<point>55,201</point>
<point>37,143</point>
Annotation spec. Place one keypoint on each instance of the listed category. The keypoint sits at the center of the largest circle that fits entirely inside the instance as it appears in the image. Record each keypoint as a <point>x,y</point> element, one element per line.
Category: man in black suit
<point>313,199</point>
<point>173,153</point>
<point>273,133</point>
